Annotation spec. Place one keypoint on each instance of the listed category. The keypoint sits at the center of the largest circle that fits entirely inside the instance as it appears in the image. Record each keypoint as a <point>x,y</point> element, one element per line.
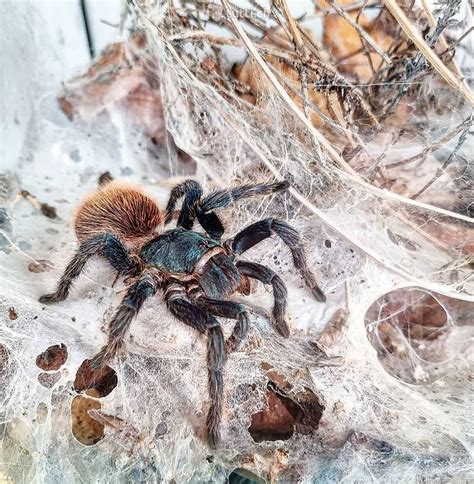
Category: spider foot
<point>318,294</point>
<point>107,354</point>
<point>281,327</point>
<point>281,186</point>
<point>52,298</point>
<point>213,439</point>
<point>213,432</point>
<point>99,361</point>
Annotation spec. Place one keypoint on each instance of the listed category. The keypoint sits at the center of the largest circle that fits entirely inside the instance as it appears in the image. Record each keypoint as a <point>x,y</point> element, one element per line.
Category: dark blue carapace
<point>177,251</point>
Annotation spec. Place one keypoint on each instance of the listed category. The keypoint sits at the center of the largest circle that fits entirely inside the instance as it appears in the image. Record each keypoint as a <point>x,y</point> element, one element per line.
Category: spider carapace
<point>196,272</point>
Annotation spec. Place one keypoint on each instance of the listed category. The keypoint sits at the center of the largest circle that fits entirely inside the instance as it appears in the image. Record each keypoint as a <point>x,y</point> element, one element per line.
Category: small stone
<point>12,314</point>
<point>39,266</point>
<point>48,211</point>
<point>48,380</point>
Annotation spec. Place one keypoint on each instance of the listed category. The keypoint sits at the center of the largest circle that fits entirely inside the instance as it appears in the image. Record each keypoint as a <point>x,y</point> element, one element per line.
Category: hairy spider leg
<point>259,231</point>
<point>194,206</point>
<point>280,293</point>
<point>106,245</point>
<point>197,318</point>
<point>224,309</point>
<point>223,198</point>
<point>192,192</point>
<point>132,302</point>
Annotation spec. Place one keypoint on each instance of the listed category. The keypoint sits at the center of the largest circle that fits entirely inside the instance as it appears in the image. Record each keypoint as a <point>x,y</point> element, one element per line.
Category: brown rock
<point>52,358</point>
<point>84,428</point>
<point>88,379</point>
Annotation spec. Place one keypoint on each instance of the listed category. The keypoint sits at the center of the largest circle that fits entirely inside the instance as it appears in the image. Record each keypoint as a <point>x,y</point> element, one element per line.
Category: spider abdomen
<point>120,209</point>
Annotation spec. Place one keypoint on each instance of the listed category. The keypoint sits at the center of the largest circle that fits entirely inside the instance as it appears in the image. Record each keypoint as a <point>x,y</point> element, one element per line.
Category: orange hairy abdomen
<point>119,209</point>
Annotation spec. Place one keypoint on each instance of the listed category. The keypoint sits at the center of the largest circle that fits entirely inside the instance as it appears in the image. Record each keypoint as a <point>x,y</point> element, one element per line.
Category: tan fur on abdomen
<point>118,208</point>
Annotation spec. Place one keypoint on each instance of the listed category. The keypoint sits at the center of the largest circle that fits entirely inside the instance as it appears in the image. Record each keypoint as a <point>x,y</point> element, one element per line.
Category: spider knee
<point>174,293</point>
<point>285,231</point>
<point>237,310</point>
<point>213,327</point>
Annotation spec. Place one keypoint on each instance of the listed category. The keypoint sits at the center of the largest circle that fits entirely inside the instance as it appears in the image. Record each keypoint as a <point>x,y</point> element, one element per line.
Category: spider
<point>196,272</point>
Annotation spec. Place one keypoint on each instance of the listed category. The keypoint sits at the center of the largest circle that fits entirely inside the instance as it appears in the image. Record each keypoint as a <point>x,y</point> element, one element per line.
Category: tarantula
<point>196,272</point>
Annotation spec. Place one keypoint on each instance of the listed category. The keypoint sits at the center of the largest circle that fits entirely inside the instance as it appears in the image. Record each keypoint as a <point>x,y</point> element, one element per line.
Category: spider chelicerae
<point>196,272</point>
